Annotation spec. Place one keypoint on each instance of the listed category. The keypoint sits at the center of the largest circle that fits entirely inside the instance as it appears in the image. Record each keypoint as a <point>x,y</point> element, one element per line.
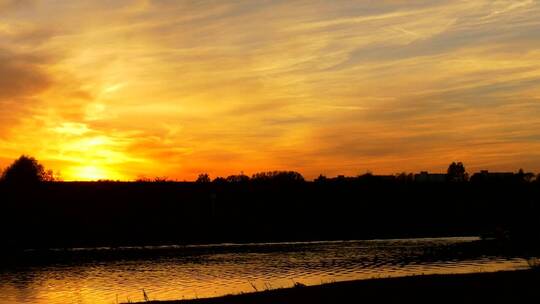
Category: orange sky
<point>174,88</point>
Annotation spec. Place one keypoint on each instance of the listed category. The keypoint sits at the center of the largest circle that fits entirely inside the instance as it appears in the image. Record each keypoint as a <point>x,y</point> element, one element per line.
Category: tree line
<point>268,206</point>
<point>26,170</point>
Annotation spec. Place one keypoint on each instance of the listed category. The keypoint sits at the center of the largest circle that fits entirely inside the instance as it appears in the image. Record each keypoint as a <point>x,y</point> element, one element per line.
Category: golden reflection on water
<point>219,271</point>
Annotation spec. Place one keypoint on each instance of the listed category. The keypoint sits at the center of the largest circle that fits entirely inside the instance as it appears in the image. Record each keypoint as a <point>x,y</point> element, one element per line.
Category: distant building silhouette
<point>485,175</point>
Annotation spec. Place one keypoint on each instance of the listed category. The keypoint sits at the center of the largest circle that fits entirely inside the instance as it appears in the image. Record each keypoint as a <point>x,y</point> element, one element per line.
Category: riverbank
<point>520,286</point>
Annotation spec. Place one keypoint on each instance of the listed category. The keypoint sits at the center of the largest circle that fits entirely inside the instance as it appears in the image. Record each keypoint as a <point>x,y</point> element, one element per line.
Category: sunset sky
<point>128,88</point>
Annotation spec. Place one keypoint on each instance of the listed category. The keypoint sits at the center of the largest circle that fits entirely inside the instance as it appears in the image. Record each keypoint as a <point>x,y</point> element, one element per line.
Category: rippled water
<point>106,275</point>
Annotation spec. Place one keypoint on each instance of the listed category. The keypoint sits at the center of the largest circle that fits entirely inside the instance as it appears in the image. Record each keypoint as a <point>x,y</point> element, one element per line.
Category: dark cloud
<point>22,76</point>
<point>7,5</point>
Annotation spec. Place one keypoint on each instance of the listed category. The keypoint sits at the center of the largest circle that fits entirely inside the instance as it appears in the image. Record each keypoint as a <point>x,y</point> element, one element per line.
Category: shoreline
<point>516,286</point>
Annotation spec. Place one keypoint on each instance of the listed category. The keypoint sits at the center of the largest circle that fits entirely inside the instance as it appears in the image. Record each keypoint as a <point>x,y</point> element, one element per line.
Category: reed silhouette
<point>499,287</point>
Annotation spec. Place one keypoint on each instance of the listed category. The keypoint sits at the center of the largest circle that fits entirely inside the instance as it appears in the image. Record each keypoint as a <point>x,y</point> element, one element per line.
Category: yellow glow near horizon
<point>91,173</point>
<point>172,88</point>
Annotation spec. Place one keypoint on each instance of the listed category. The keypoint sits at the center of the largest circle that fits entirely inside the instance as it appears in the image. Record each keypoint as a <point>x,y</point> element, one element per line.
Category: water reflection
<point>173,272</point>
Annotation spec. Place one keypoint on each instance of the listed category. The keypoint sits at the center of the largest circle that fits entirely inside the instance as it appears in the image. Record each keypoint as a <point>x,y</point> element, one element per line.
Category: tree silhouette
<point>240,178</point>
<point>321,179</point>
<point>525,176</point>
<point>219,180</point>
<point>278,176</point>
<point>405,177</point>
<point>456,172</point>
<point>203,178</point>
<point>26,170</point>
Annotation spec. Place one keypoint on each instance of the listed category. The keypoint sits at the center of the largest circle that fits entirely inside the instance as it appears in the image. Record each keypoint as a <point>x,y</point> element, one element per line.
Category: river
<point>111,275</point>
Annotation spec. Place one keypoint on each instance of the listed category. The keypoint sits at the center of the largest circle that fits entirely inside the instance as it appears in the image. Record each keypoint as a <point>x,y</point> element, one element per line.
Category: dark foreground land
<point>94,214</point>
<point>521,286</point>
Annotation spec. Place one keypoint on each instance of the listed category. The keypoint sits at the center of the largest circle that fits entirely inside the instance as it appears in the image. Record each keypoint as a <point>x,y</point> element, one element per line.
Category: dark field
<point>79,214</point>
